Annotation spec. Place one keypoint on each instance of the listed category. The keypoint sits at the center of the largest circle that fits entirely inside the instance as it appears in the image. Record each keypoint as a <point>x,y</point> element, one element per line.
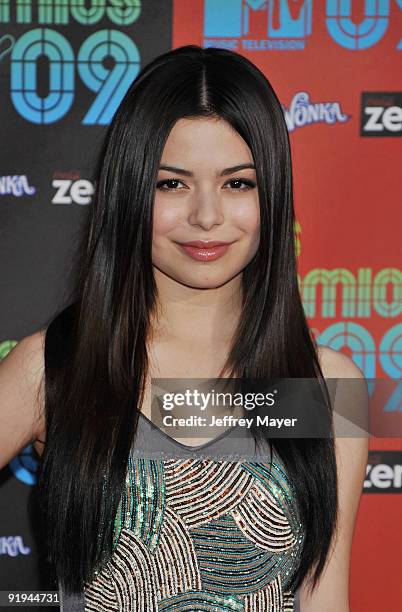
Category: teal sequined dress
<point>198,533</point>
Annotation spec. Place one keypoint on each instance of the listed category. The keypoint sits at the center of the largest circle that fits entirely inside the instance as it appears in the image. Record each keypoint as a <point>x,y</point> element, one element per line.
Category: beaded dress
<point>199,529</point>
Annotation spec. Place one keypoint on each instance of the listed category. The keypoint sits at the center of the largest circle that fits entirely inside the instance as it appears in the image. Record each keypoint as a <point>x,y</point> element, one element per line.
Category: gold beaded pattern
<point>201,535</point>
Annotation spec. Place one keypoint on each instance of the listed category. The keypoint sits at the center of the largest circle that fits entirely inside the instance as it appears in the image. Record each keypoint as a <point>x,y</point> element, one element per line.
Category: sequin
<point>201,534</point>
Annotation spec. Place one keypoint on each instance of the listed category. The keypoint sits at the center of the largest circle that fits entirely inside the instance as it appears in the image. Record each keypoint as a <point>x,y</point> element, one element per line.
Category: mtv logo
<point>285,18</point>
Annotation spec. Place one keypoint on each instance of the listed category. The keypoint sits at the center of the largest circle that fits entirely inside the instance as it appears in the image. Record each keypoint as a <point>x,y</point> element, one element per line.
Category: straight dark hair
<point>96,359</point>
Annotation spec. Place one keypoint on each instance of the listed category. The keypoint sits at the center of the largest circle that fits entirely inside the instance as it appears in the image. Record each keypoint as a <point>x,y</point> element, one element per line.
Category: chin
<point>206,283</point>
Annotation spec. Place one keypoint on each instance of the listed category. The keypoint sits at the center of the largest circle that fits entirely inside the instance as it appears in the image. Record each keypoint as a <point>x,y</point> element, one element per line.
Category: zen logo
<point>68,191</point>
<point>381,114</point>
<point>384,472</point>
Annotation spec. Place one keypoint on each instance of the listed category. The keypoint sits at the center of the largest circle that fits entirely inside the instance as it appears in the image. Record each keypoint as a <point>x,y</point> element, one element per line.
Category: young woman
<point>197,151</point>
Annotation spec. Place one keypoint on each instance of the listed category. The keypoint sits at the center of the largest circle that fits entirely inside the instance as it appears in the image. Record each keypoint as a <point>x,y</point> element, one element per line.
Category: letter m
<point>285,18</point>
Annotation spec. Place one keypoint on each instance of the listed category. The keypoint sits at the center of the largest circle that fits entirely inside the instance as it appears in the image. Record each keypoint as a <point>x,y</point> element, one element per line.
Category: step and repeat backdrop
<point>65,66</point>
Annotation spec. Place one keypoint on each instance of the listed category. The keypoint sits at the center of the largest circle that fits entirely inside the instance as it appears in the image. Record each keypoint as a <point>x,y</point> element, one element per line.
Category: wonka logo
<point>16,185</point>
<point>302,112</point>
<point>13,546</point>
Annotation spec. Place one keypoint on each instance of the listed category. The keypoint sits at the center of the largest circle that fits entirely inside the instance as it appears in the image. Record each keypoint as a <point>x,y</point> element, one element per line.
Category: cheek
<point>247,217</point>
<point>165,218</point>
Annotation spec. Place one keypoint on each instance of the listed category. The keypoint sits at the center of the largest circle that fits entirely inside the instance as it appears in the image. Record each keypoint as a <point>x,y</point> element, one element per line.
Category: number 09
<point>110,84</point>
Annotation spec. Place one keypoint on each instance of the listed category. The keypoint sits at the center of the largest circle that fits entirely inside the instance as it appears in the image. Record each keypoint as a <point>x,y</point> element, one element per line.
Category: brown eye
<point>236,182</point>
<point>171,182</point>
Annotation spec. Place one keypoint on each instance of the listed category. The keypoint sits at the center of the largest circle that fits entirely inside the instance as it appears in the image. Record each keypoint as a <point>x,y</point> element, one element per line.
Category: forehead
<point>208,141</point>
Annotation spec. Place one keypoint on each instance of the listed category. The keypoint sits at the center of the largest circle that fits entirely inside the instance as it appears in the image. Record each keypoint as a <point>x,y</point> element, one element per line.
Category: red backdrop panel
<point>347,199</point>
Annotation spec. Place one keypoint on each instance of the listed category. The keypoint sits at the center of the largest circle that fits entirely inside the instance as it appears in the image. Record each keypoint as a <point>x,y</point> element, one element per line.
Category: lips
<point>204,244</point>
<point>201,250</point>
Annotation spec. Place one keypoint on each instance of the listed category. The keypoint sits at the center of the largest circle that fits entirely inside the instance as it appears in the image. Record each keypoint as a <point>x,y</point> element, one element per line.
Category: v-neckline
<point>187,446</point>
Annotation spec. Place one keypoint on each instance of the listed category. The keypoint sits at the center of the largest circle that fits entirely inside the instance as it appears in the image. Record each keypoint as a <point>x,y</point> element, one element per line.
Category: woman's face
<point>202,197</point>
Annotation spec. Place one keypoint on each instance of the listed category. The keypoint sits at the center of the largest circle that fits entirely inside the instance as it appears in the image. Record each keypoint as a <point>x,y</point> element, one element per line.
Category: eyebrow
<point>224,172</point>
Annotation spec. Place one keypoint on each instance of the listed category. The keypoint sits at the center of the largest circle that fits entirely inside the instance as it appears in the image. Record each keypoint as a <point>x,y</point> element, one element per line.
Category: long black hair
<point>96,359</point>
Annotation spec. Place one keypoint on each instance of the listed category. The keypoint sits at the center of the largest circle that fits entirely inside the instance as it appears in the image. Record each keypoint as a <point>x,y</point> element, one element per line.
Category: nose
<point>206,210</point>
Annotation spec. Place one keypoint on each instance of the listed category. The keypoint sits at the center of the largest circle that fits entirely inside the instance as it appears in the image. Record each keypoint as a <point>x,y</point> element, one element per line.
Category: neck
<point>192,315</point>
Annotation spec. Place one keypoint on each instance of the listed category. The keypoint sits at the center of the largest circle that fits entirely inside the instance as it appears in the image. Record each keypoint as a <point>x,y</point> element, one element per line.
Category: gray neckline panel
<point>233,443</point>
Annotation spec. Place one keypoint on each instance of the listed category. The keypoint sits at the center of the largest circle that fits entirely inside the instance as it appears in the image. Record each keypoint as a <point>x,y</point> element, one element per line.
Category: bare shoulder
<point>28,357</point>
<point>351,449</point>
<point>21,395</point>
<point>351,418</point>
<point>34,366</point>
<point>350,404</point>
<point>335,364</point>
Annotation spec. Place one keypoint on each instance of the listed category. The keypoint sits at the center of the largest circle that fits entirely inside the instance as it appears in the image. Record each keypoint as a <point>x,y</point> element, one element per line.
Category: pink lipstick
<point>201,250</point>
